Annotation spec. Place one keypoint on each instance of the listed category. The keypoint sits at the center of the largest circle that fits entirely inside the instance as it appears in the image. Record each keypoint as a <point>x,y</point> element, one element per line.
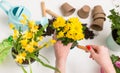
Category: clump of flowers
<point>116,63</point>
<point>68,31</point>
<point>26,44</point>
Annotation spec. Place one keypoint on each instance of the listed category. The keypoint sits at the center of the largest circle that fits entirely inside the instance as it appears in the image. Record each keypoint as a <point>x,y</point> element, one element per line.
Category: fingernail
<point>88,47</point>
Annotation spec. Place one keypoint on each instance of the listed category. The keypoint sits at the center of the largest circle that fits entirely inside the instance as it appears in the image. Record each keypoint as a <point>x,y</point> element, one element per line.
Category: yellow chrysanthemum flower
<point>70,34</point>
<point>59,22</point>
<point>67,27</point>
<point>74,20</point>
<point>60,34</point>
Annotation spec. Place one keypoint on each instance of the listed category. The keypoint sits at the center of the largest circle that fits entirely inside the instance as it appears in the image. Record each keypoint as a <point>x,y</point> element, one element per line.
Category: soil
<point>49,31</point>
<point>88,33</point>
<point>26,61</point>
<point>114,35</point>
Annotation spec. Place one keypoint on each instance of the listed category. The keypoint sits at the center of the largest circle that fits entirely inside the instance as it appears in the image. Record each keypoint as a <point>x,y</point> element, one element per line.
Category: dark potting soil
<point>114,35</point>
<point>89,34</point>
<point>25,61</point>
<point>49,30</point>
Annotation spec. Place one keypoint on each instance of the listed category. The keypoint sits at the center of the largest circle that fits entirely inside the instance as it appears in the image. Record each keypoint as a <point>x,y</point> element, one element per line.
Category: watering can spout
<point>3,5</point>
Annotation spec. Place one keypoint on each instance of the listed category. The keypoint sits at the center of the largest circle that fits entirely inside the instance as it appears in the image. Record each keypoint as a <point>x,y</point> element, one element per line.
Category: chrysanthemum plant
<point>68,31</point>
<point>26,44</point>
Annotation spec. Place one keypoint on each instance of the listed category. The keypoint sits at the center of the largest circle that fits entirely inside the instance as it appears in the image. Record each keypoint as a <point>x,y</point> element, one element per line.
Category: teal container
<point>14,13</point>
<point>112,45</point>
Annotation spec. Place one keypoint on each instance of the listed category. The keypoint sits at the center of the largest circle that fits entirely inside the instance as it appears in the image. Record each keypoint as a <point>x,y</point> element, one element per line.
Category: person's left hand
<point>61,50</point>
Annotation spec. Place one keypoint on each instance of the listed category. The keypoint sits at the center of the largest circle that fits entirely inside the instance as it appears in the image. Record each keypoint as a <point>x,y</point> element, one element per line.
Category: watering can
<point>14,13</point>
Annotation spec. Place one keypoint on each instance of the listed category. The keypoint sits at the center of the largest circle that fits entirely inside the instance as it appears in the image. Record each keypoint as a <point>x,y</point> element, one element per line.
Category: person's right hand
<point>101,55</point>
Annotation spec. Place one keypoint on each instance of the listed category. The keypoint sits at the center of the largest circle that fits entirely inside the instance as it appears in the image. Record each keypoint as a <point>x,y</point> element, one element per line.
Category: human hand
<point>61,50</point>
<point>101,55</point>
<point>61,53</point>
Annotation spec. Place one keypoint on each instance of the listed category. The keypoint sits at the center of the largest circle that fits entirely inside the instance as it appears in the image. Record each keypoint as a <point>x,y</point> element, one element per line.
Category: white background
<point>78,61</point>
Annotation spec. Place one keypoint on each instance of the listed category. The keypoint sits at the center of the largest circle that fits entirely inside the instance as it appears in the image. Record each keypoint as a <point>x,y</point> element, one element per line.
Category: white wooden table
<point>78,61</point>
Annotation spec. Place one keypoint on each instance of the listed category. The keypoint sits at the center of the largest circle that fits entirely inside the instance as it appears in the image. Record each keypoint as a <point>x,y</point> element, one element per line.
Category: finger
<point>92,51</point>
<point>70,44</point>
<point>90,56</point>
<point>94,46</point>
<point>54,36</point>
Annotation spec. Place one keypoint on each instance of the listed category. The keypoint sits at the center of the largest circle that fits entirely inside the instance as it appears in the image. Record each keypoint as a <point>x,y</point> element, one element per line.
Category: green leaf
<point>44,58</point>
<point>23,69</point>
<point>46,65</point>
<point>115,19</point>
<point>118,40</point>
<point>5,47</point>
<point>30,66</point>
<point>75,43</point>
<point>114,58</point>
<point>118,32</point>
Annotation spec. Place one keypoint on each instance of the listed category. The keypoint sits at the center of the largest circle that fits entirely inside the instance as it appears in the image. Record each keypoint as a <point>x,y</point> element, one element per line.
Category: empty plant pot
<point>97,10</point>
<point>97,24</point>
<point>99,16</point>
<point>84,11</point>
<point>67,9</point>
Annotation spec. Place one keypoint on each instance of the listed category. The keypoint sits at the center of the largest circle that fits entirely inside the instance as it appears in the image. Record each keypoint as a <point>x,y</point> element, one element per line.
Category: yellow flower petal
<point>53,41</point>
<point>31,24</point>
<point>15,34</point>
<point>40,38</point>
<point>24,16</point>
<point>23,22</point>
<point>11,26</point>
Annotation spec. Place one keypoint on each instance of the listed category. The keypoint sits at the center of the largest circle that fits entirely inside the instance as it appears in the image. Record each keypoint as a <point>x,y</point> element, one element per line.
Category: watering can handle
<point>4,4</point>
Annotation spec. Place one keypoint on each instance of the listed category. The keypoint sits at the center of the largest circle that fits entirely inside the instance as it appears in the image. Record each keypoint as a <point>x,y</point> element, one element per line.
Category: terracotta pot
<point>97,10</point>
<point>111,43</point>
<point>99,16</point>
<point>97,24</point>
<point>84,12</point>
<point>67,9</point>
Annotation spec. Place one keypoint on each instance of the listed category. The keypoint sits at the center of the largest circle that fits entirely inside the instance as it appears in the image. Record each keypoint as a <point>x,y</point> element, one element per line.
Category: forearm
<point>61,65</point>
<point>109,68</point>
